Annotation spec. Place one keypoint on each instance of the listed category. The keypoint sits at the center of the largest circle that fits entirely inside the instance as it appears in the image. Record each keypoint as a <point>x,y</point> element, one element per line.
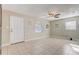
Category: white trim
<point>3,45</point>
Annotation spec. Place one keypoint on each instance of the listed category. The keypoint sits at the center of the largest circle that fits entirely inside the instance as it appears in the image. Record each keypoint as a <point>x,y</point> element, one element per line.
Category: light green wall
<point>60,31</point>
<point>29,26</point>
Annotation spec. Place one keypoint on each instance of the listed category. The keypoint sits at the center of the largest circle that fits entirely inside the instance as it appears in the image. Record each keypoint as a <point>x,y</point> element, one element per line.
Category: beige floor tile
<point>49,46</point>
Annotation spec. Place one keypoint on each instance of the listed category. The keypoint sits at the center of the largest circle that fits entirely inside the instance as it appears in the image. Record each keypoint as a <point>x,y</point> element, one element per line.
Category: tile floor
<point>49,46</point>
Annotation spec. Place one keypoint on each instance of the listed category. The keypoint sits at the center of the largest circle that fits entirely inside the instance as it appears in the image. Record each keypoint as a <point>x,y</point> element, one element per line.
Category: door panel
<point>16,29</point>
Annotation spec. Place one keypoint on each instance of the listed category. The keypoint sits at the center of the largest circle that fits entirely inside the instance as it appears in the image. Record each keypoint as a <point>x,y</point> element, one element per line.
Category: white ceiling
<point>41,10</point>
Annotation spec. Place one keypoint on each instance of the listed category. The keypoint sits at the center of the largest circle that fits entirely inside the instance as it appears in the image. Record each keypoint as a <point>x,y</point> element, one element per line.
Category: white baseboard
<point>3,45</point>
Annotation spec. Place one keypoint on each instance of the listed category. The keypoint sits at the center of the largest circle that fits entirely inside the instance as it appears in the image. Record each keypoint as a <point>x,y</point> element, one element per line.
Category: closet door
<point>16,29</point>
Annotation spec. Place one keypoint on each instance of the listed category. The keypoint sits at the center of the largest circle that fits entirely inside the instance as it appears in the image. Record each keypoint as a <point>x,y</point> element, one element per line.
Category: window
<point>71,25</point>
<point>38,28</point>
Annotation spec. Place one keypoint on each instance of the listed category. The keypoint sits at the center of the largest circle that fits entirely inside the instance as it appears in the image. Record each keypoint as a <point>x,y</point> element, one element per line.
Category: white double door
<point>16,29</point>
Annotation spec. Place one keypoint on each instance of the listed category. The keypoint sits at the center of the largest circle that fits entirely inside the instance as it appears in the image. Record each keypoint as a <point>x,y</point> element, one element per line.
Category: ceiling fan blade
<point>57,16</point>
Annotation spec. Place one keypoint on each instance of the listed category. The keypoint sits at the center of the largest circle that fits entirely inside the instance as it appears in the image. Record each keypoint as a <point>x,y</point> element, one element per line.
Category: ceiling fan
<point>53,13</point>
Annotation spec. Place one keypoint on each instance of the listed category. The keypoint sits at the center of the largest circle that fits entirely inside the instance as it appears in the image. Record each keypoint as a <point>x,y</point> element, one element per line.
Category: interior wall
<point>29,27</point>
<point>59,31</point>
<point>30,32</point>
